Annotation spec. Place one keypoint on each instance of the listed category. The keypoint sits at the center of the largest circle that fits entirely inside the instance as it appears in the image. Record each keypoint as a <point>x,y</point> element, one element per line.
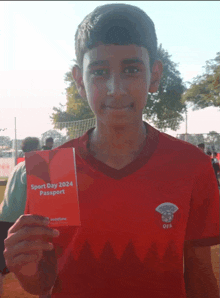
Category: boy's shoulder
<point>172,145</point>
<point>69,144</point>
<point>74,142</point>
<point>167,145</point>
<point>81,140</point>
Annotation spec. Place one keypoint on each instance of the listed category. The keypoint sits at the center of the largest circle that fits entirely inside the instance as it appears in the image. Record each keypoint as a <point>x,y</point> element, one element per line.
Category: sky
<point>37,49</point>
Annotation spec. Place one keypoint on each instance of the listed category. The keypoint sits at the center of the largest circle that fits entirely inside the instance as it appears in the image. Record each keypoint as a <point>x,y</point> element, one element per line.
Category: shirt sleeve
<point>4,227</point>
<point>13,204</point>
<point>203,221</point>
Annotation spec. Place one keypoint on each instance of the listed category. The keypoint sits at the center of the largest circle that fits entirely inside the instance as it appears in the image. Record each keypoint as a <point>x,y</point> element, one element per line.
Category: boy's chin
<point>119,122</point>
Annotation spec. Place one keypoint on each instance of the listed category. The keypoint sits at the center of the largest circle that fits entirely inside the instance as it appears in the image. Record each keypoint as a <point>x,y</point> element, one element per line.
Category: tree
<point>212,141</point>
<point>163,108</point>
<point>58,138</point>
<point>5,141</point>
<point>76,108</point>
<point>194,139</point>
<point>205,89</point>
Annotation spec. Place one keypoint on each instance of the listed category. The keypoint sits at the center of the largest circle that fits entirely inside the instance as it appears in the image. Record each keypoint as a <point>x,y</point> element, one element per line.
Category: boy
<point>14,201</point>
<point>201,146</point>
<point>49,144</point>
<point>137,217</point>
<point>216,167</point>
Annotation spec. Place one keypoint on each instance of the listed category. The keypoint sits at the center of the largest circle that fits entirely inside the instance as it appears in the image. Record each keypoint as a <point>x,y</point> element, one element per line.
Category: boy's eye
<point>131,69</point>
<point>100,72</point>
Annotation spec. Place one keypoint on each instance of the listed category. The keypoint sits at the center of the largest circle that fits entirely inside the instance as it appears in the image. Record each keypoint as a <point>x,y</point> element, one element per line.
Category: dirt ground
<point>12,288</point>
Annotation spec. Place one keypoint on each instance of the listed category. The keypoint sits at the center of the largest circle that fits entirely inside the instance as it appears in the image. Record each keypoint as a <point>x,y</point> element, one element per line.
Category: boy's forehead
<point>102,54</point>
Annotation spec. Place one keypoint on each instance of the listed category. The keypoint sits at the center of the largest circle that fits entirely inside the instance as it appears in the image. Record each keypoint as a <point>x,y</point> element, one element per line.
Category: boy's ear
<point>77,76</point>
<point>156,76</point>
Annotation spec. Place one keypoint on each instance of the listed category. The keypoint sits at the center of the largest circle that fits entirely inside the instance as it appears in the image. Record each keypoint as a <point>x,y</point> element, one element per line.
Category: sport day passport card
<point>52,186</point>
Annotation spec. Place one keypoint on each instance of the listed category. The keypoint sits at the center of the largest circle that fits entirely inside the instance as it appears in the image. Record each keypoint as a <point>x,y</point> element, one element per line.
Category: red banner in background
<point>20,159</point>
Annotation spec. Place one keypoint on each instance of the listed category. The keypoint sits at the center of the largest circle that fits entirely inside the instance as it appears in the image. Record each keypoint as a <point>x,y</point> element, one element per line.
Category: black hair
<point>116,23</point>
<point>49,140</point>
<point>209,153</point>
<point>30,144</point>
<point>201,145</point>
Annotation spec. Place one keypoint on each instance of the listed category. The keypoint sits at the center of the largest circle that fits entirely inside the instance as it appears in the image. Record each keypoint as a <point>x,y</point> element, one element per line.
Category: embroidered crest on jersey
<point>167,211</point>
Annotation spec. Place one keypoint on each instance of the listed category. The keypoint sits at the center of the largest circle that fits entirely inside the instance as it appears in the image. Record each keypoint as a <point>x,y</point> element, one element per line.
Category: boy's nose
<point>115,86</point>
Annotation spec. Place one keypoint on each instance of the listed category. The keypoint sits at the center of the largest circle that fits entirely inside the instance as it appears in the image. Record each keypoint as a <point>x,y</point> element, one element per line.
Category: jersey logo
<point>167,211</point>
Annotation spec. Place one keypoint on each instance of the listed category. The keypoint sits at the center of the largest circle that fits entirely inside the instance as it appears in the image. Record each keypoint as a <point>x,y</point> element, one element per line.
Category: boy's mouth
<point>120,107</point>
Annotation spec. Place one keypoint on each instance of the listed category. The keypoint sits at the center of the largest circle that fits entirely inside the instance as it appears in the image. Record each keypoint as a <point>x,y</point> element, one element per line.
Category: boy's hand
<point>29,253</point>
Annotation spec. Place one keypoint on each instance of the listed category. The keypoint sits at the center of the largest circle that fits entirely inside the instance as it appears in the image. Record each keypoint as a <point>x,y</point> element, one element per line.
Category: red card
<point>52,186</point>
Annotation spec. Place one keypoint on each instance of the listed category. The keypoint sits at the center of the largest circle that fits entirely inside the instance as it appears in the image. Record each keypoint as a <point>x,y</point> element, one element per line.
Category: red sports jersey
<point>134,221</point>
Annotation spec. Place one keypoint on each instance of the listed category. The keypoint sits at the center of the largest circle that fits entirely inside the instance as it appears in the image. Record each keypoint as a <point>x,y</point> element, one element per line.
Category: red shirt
<point>134,221</point>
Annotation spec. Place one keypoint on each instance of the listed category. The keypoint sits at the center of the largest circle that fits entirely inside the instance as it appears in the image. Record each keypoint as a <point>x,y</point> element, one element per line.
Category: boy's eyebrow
<point>125,61</point>
<point>132,60</point>
<point>98,63</point>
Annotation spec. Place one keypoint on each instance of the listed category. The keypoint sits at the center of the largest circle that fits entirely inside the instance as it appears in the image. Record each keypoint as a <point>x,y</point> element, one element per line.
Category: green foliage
<point>5,142</point>
<point>193,139</point>
<point>163,108</point>
<point>211,140</point>
<point>76,108</point>
<point>76,105</point>
<point>205,89</point>
<point>58,138</point>
<point>60,115</point>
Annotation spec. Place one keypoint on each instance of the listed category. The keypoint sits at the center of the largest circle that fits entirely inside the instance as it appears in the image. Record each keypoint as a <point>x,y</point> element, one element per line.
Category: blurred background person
<point>216,166</point>
<point>14,201</point>
<point>215,163</point>
<point>49,144</point>
<point>201,146</point>
<point>209,153</point>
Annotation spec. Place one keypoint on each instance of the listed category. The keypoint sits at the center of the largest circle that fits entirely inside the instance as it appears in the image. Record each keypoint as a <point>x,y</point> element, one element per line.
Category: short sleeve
<point>203,221</point>
<point>13,204</point>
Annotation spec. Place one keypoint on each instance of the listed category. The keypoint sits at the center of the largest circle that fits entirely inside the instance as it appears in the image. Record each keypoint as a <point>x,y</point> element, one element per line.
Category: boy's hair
<point>49,140</point>
<point>116,23</point>
<point>30,144</point>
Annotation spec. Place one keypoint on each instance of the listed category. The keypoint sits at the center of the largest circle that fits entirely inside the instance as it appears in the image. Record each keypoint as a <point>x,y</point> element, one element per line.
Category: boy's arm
<point>200,281</point>
<point>12,206</point>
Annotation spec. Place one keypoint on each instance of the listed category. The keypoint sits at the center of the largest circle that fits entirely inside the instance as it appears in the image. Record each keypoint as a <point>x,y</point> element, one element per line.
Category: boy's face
<point>202,149</point>
<point>49,145</point>
<point>116,80</point>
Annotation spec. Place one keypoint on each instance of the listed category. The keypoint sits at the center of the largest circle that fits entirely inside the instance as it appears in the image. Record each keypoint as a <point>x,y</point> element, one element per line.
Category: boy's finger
<point>17,263</point>
<point>29,219</point>
<point>28,247</point>
<point>24,259</point>
<point>32,234</point>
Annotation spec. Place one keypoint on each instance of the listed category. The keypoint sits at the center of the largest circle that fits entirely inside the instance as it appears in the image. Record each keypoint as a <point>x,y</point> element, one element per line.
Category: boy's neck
<point>117,141</point>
